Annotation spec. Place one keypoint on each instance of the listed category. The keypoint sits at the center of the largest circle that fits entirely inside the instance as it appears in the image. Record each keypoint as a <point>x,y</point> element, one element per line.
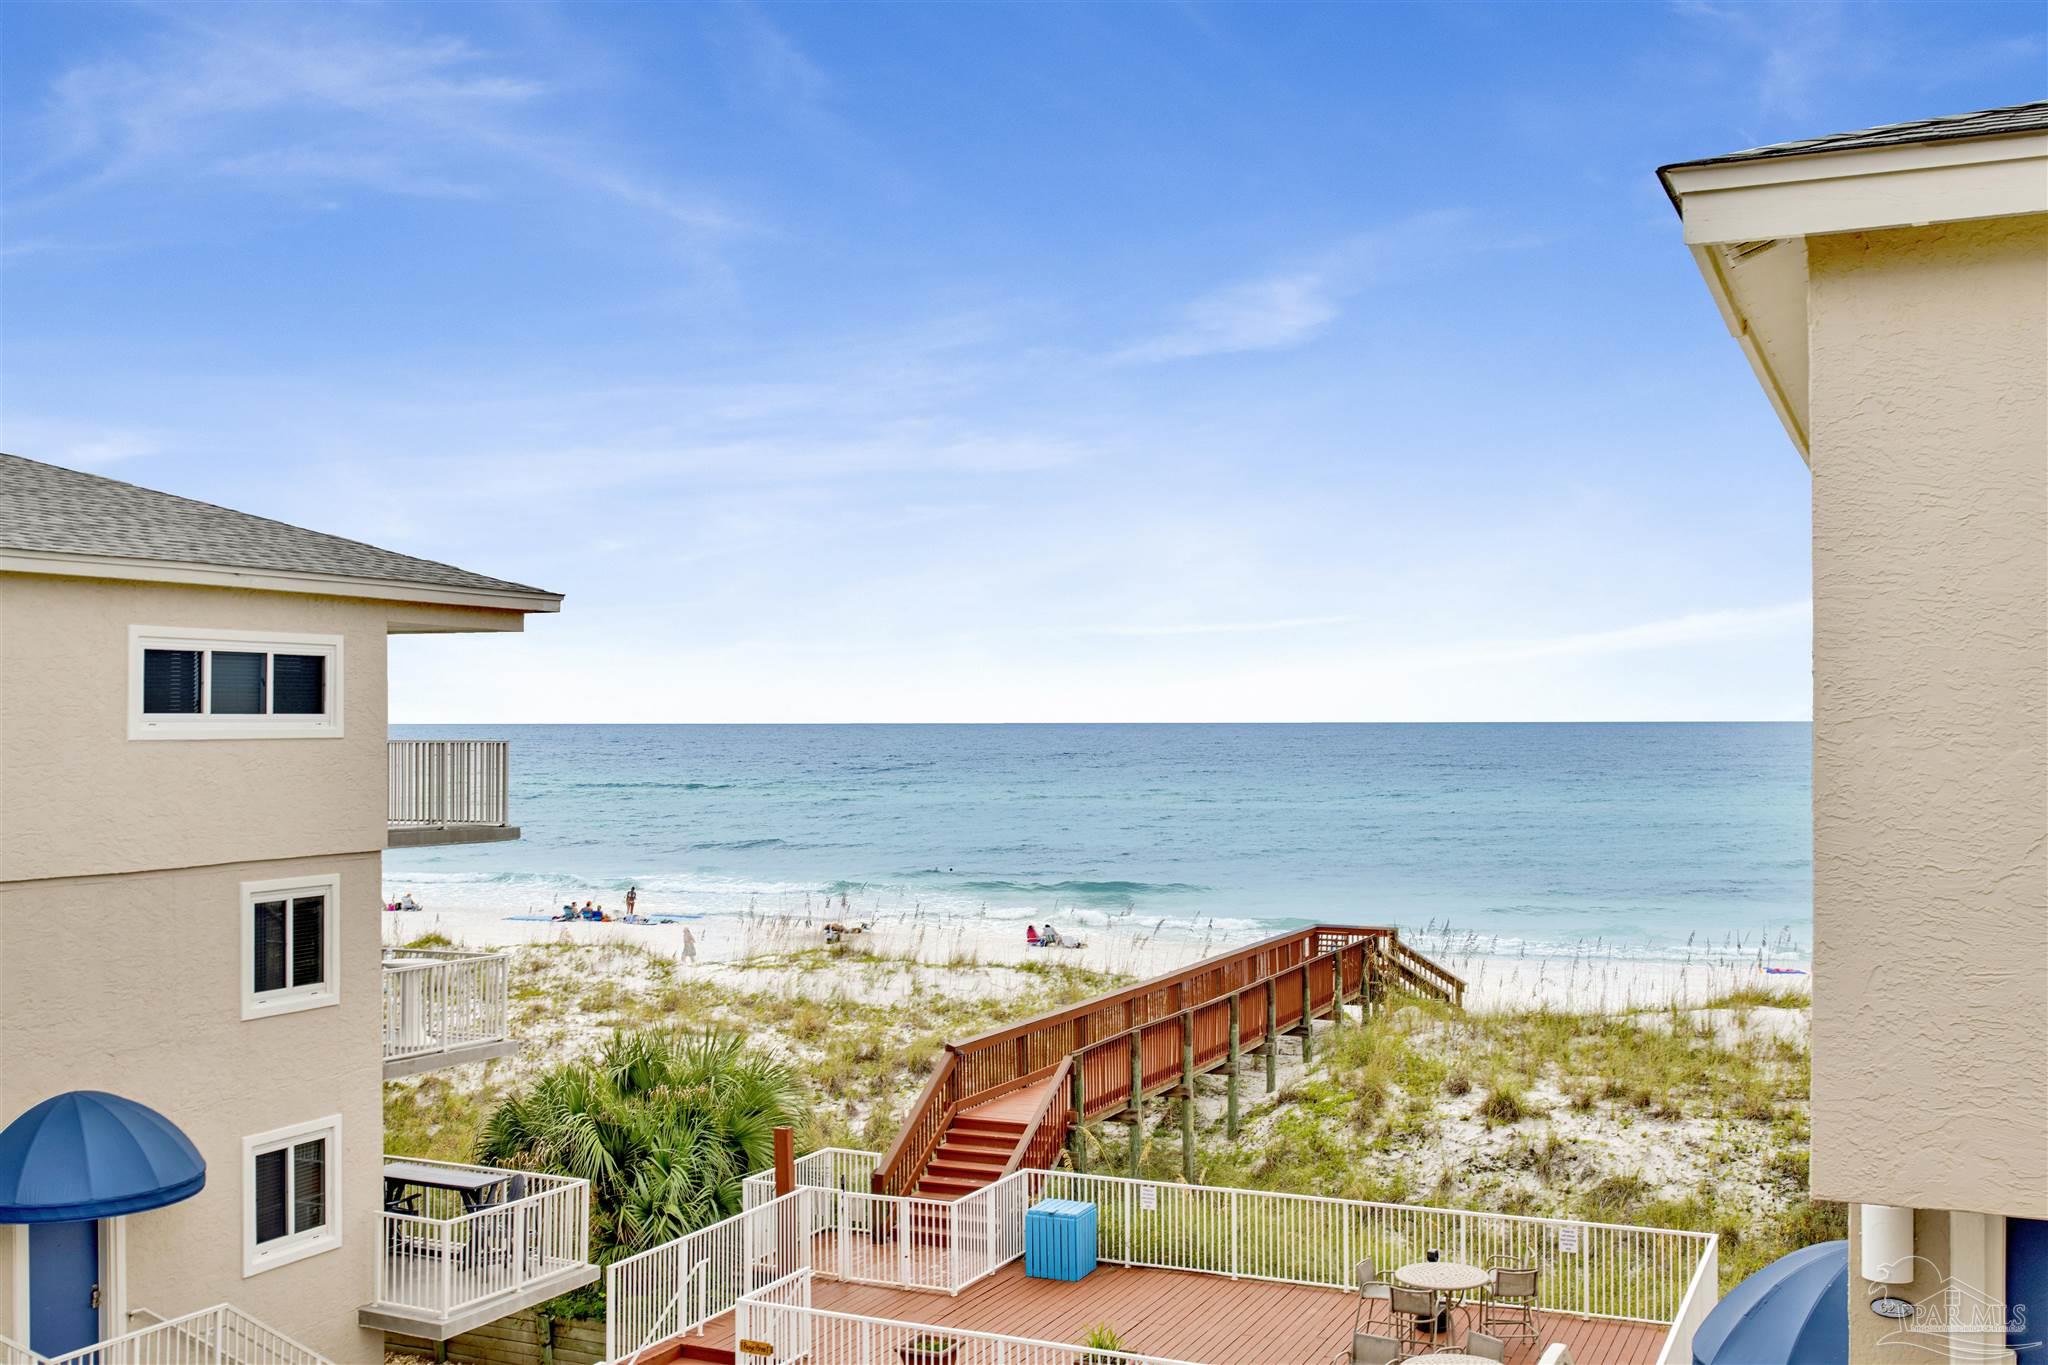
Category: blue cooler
<point>1059,1239</point>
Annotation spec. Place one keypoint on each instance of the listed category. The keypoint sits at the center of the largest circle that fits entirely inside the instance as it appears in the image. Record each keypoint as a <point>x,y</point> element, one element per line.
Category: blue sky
<point>950,362</point>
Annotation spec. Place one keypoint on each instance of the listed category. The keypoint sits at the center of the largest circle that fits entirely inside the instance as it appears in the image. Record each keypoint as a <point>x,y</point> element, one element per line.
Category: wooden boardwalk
<point>1185,1316</point>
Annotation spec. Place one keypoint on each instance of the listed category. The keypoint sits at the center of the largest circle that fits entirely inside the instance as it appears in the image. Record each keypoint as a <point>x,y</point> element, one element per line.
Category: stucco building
<point>1890,289</point>
<point>196,790</point>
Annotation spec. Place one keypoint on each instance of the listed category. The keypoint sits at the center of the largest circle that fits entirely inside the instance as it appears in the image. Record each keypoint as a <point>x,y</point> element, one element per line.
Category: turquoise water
<point>1651,840</point>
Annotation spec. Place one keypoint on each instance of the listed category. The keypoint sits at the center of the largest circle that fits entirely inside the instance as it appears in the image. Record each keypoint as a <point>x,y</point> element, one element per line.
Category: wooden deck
<point>1185,1316</point>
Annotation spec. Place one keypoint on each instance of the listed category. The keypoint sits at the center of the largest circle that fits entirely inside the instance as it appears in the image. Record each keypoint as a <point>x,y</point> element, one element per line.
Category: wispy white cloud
<point>289,97</point>
<point>1223,627</point>
<point>1291,306</point>
<point>1691,629</point>
<point>79,445</point>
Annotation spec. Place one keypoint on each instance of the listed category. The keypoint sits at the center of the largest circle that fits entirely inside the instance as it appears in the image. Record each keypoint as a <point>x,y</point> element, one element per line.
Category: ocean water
<point>1657,841</point>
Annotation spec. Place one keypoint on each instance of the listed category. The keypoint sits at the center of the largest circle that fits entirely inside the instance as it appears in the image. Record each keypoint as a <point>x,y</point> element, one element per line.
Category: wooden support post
<point>1308,1021</point>
<point>1230,1112</point>
<point>1337,990</point>
<point>1077,1140</point>
<point>1137,1100</point>
<point>1272,1040</point>
<point>1187,1098</point>
<point>785,1161</point>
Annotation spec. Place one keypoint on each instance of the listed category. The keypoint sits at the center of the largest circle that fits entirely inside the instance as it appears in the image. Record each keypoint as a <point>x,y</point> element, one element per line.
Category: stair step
<point>973,1175</point>
<point>724,1356</point>
<point>970,1137</point>
<point>945,1187</point>
<point>970,1124</point>
<point>993,1158</point>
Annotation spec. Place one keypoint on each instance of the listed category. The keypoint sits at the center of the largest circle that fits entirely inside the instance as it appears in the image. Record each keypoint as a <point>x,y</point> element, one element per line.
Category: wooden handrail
<point>1055,1094</point>
<point>934,1090</point>
<point>1002,1058</point>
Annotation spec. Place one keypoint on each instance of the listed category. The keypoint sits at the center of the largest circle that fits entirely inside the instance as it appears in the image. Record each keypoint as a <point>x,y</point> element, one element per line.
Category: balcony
<point>444,1008</point>
<point>446,791</point>
<point>221,1335</point>
<point>464,1245</point>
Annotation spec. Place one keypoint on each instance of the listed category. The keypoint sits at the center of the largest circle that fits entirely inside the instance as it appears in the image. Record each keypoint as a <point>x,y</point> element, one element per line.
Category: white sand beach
<point>750,947</point>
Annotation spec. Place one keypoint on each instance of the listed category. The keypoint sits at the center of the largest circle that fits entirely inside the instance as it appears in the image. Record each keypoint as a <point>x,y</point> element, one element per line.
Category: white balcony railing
<point>440,782</point>
<point>220,1335</point>
<point>447,1258</point>
<point>440,1002</point>
<point>830,1224</point>
<point>782,1314</point>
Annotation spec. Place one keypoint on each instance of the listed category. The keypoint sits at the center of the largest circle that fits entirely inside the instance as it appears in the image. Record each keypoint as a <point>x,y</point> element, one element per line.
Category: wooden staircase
<point>993,1103</point>
<point>981,1142</point>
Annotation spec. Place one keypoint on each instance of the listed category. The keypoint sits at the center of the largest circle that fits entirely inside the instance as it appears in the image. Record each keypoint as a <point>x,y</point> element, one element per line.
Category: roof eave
<point>274,580</point>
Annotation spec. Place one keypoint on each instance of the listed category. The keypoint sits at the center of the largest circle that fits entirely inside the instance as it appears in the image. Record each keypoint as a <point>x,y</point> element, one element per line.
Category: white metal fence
<point>445,1258</point>
<point>1607,1270</point>
<point>677,1287</point>
<point>1603,1270</point>
<point>220,1335</point>
<point>439,1001</point>
<point>447,781</point>
<point>782,1318</point>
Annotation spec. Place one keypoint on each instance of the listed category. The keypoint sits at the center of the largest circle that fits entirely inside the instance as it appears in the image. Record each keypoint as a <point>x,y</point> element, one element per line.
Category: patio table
<point>479,1189</point>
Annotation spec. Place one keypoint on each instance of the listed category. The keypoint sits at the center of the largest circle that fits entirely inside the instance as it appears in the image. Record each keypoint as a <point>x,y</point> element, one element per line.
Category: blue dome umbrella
<point>1795,1311</point>
<point>86,1154</point>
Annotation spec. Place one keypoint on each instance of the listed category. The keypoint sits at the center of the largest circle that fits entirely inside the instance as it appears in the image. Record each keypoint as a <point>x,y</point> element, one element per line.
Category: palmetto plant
<point>664,1126</point>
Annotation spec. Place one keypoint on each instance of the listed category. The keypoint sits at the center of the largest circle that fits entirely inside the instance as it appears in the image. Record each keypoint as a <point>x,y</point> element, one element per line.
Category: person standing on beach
<point>632,894</point>
<point>689,945</point>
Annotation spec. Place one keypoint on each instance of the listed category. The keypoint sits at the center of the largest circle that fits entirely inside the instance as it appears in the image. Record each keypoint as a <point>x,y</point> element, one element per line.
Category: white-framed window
<point>291,950</point>
<point>291,1194</point>
<point>232,684</point>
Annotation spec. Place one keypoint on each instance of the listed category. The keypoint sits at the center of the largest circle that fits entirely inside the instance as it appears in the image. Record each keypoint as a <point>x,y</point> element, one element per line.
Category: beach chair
<point>1509,1301</point>
<point>1367,1348</point>
<point>1371,1290</point>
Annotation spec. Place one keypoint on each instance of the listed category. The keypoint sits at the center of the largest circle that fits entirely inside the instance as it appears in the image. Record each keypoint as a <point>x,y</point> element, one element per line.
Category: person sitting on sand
<point>1031,939</point>
<point>1050,938</point>
<point>406,902</point>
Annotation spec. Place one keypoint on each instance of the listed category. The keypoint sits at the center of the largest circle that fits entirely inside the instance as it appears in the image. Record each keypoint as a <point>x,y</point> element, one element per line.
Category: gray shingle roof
<point>2013,118</point>
<point>46,508</point>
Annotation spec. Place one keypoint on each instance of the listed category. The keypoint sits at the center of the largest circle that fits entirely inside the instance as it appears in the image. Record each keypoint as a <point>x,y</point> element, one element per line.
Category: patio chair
<point>1509,1302</point>
<point>1419,1316</point>
<point>1368,1348</point>
<point>1486,1347</point>
<point>1371,1289</point>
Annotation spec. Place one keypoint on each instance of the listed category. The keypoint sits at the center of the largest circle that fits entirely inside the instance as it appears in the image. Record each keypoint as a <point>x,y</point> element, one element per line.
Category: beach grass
<point>1689,1117</point>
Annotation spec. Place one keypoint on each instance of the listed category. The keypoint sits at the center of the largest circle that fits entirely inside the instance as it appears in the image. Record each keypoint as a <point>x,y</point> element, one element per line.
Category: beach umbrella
<point>1795,1311</point>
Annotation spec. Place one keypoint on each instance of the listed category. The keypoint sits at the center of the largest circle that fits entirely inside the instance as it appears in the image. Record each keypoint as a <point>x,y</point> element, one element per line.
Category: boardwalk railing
<point>1600,1270</point>
<point>447,781</point>
<point>441,1001</point>
<point>446,1259</point>
<point>782,1317</point>
<point>220,1335</point>
<point>674,1289</point>
<point>1145,1038</point>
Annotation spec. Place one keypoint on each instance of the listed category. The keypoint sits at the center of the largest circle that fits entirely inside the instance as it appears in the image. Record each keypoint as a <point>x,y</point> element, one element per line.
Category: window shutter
<point>298,684</point>
<point>170,681</point>
<point>309,940</point>
<point>272,1211</point>
<point>238,683</point>
<point>270,974</point>
<point>309,1185</point>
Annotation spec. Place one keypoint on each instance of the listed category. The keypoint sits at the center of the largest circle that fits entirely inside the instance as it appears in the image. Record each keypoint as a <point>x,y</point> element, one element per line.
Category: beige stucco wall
<point>1929,410</point>
<point>132,984</point>
<point>77,796</point>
